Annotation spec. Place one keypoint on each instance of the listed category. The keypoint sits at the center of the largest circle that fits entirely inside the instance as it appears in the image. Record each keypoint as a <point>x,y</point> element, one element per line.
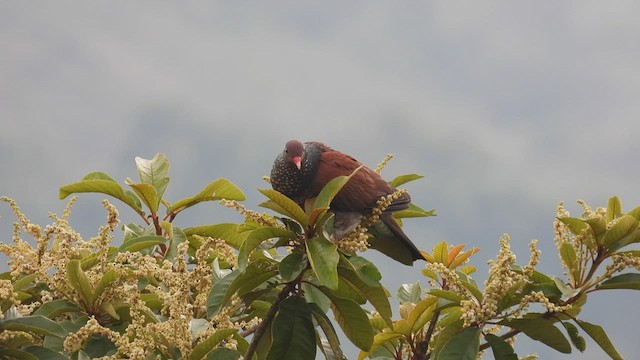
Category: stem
<point>264,325</point>
<point>424,344</point>
<point>504,336</point>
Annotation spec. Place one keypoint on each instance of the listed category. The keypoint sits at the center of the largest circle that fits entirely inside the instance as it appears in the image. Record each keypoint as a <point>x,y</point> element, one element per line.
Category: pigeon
<point>303,169</point>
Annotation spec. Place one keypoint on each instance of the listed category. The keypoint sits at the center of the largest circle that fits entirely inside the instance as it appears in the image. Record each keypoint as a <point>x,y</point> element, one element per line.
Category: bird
<point>300,172</point>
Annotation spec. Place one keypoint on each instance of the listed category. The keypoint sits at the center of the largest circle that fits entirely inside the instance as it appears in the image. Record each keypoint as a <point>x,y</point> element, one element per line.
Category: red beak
<point>298,161</point>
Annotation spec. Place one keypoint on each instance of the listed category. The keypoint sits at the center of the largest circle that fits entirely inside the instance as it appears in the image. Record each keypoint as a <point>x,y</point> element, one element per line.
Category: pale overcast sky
<point>506,107</point>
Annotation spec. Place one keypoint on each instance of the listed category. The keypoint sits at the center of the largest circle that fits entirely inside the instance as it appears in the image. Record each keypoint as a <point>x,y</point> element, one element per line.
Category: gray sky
<point>505,107</point>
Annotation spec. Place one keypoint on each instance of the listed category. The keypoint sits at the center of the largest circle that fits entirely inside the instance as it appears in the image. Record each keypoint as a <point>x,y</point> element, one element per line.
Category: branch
<point>264,325</point>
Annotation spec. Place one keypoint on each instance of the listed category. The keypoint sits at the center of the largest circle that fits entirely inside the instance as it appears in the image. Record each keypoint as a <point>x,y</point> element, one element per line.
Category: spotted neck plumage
<point>291,181</point>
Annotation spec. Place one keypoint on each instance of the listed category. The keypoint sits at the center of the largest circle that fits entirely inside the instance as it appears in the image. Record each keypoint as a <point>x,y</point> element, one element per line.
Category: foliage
<point>262,289</point>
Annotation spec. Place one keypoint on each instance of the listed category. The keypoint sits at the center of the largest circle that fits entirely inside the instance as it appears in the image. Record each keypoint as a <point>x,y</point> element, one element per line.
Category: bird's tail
<point>392,241</point>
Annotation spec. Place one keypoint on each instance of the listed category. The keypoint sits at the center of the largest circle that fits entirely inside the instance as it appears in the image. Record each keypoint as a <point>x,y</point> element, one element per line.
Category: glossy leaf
<point>285,206</point>
<point>414,211</point>
<point>51,309</point>
<point>541,330</point>
<point>569,258</point>
<point>323,256</point>
<point>12,353</point>
<point>409,293</point>
<point>577,340</point>
<point>79,281</point>
<point>327,328</point>
<point>230,233</point>
<point>103,184</point>
<point>177,238</point>
<point>575,225</point>
<point>422,313</point>
<point>598,335</point>
<point>256,237</point>
<point>43,353</point>
<point>141,242</point>
<point>461,258</point>
<point>463,346</point>
<point>352,319</point>
<point>629,281</point>
<point>106,280</point>
<point>294,336</point>
<point>215,190</point>
<point>449,331</point>
<point>154,172</point>
<point>224,354</point>
<point>403,179</point>
<point>380,339</point>
<point>292,266</point>
<point>203,348</point>
<point>500,348</point>
<point>441,252</point>
<point>614,208</point>
<point>36,324</point>
<point>219,292</point>
<point>376,295</point>
<point>147,194</point>
<point>624,228</point>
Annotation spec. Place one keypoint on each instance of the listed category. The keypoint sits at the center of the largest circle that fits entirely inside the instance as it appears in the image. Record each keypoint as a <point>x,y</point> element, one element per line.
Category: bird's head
<point>293,152</point>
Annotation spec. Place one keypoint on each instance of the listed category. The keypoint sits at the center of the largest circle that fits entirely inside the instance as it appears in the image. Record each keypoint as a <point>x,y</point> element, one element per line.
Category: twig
<point>271,313</point>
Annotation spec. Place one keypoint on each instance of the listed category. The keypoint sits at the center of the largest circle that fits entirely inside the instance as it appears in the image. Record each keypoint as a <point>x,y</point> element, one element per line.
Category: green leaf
<point>43,353</point>
<point>203,348</point>
<point>575,225</point>
<point>449,331</point>
<point>79,281</point>
<point>223,354</point>
<point>12,353</point>
<point>285,206</point>
<point>323,256</point>
<point>421,313</point>
<point>177,238</point>
<point>352,319</point>
<point>106,280</point>
<point>141,242</point>
<point>56,307</point>
<point>574,336</point>
<point>93,184</point>
<point>147,193</point>
<point>36,324</point>
<point>614,208</point>
<point>256,237</point>
<point>294,336</point>
<point>403,179</point>
<point>441,252</point>
<point>219,292</point>
<point>629,281</point>
<point>463,346</point>
<point>568,255</point>
<point>376,295</point>
<point>380,339</point>
<point>598,334</point>
<point>154,172</point>
<point>215,190</point>
<point>501,349</point>
<point>228,232</point>
<point>446,294</point>
<point>541,330</point>
<point>292,266</point>
<point>623,231</point>
<point>635,213</point>
<point>409,293</point>
<point>331,189</point>
<point>413,211</point>
<point>327,328</point>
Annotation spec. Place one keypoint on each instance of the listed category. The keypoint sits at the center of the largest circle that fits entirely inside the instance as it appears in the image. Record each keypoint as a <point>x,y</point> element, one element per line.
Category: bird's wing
<point>363,189</point>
